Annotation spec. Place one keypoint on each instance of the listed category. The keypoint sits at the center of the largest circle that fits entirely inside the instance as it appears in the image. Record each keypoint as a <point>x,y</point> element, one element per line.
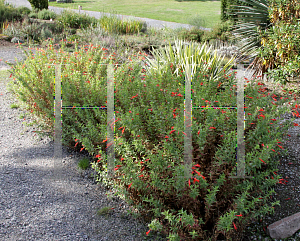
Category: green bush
<point>221,31</point>
<point>28,31</point>
<point>8,13</point>
<point>118,26</point>
<point>280,51</point>
<point>56,28</point>
<point>191,35</point>
<point>226,6</point>
<point>33,15</point>
<point>197,21</point>
<point>46,14</point>
<point>23,10</point>
<point>84,163</point>
<point>150,139</point>
<point>71,19</point>
<point>39,4</point>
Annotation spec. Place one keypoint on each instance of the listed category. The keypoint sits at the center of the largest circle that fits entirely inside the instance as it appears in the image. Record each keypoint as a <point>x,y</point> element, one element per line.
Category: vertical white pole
<point>240,129</point>
<point>188,151</point>
<point>58,124</point>
<point>110,122</point>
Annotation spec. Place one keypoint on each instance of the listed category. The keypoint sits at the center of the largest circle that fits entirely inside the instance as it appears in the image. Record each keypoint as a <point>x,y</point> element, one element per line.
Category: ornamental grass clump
<point>118,26</point>
<point>183,53</point>
<point>70,19</point>
<point>149,138</point>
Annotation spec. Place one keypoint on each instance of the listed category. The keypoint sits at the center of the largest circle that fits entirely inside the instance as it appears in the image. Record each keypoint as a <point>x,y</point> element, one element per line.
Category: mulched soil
<point>5,43</point>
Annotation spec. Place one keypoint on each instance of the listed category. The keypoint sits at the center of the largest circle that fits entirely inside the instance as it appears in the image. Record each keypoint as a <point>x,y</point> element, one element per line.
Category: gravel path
<point>150,22</point>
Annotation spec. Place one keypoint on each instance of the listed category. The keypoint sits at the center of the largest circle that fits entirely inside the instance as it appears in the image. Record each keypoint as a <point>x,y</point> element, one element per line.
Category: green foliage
<point>223,10</point>
<point>71,19</point>
<point>104,211</point>
<point>39,4</point>
<point>280,51</point>
<point>118,26</point>
<point>33,14</point>
<point>191,35</point>
<point>84,163</point>
<point>23,10</point>
<point>251,18</point>
<point>28,30</point>
<point>197,21</point>
<point>14,106</point>
<point>220,31</point>
<point>179,56</point>
<point>46,14</point>
<point>8,13</point>
<point>149,134</point>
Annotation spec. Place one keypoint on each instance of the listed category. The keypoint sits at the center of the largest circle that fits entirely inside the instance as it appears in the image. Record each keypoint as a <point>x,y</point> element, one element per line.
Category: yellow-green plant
<point>84,163</point>
<point>104,211</point>
<point>116,25</point>
<point>280,49</point>
<point>183,54</point>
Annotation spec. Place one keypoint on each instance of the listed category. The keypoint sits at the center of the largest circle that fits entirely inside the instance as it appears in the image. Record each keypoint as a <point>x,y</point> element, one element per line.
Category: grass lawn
<point>208,12</point>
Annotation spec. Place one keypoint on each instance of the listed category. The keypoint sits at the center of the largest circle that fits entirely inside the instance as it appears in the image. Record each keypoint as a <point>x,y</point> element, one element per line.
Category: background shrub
<point>280,50</point>
<point>197,21</point>
<point>8,13</point>
<point>39,4</point>
<point>221,31</point>
<point>28,30</point>
<point>33,15</point>
<point>46,14</point>
<point>74,20</point>
<point>23,10</point>
<point>192,35</point>
<point>115,25</point>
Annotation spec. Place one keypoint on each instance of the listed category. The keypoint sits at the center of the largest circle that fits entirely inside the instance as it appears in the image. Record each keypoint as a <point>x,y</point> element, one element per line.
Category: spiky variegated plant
<point>185,54</point>
<point>252,21</point>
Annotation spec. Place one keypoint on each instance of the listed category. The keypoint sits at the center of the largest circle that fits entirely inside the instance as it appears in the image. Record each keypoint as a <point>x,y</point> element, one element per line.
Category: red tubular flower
<point>234,226</point>
<point>172,131</point>
<point>261,160</point>
<point>148,232</point>
<point>196,180</point>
